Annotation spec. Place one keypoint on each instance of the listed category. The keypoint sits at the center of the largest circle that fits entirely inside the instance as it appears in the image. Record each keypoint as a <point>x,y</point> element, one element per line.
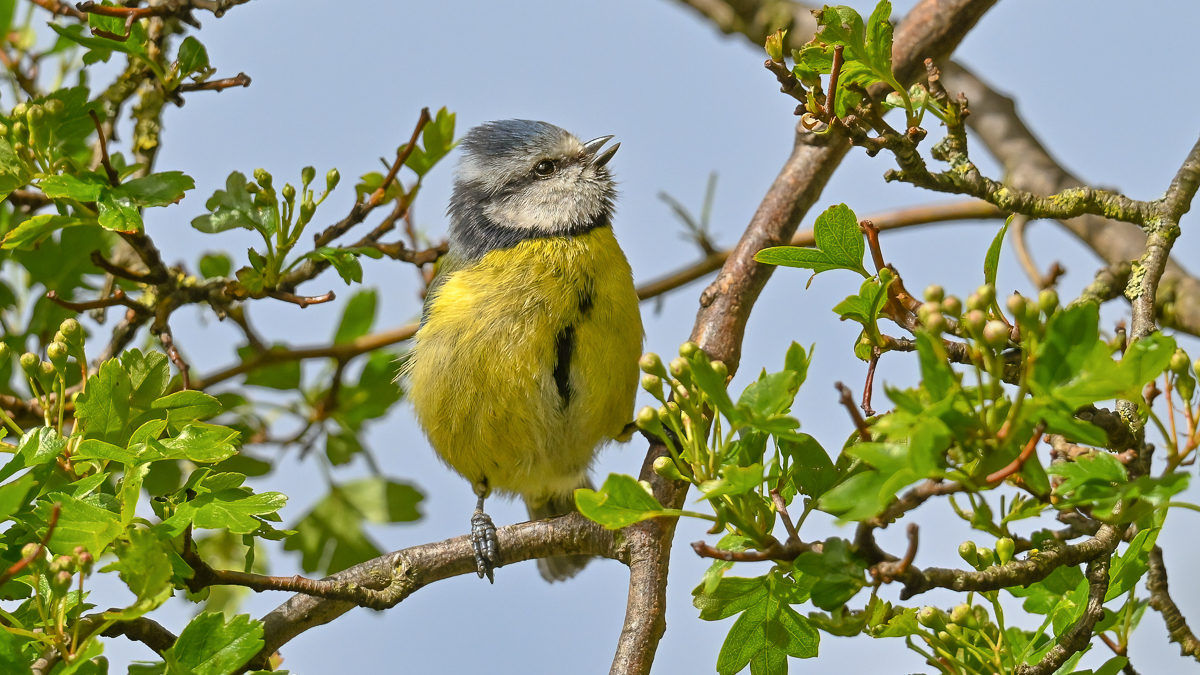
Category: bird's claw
<point>483,540</point>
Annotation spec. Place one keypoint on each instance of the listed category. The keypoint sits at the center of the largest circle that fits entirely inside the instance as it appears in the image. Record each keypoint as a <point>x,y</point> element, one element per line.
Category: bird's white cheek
<point>548,206</point>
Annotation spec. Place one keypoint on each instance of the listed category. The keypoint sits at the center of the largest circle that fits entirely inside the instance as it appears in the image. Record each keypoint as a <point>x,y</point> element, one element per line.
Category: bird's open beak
<point>593,146</point>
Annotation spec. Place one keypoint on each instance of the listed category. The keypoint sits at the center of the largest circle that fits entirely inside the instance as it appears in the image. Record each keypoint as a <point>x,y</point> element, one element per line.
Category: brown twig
<point>114,179</point>
<point>868,228</point>
<point>402,156</point>
<point>57,7</point>
<point>240,80</point>
<point>869,386</point>
<point>781,509</point>
<point>302,300</point>
<point>790,550</point>
<point>163,330</point>
<point>834,73</point>
<point>117,298</point>
<point>1015,465</point>
<point>1160,600</point>
<point>127,13</point>
<point>16,567</point>
<point>847,401</point>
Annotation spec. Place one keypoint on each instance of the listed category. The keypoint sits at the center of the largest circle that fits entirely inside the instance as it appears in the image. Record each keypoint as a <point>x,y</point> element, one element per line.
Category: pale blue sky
<point>1108,85</point>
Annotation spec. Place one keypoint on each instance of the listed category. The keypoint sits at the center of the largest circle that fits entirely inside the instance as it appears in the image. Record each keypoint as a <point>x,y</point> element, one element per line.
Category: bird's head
<point>532,179</point>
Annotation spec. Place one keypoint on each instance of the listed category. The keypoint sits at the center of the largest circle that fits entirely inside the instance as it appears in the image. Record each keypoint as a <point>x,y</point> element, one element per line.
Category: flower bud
<point>961,614</point>
<point>46,374</point>
<point>29,550</point>
<point>1016,304</point>
<point>5,354</point>
<point>289,192</point>
<point>30,363</point>
<point>680,367</point>
<point>306,210</point>
<point>952,306</point>
<point>331,179</point>
<point>934,293</point>
<point>974,321</point>
<point>3,130</point>
<point>1179,362</point>
<point>57,352</point>
<point>967,552</point>
<point>60,583</point>
<point>720,369</point>
<point>652,384</point>
<point>19,110</point>
<point>975,302</point>
<point>932,617</point>
<point>60,563</point>
<point>35,114</point>
<point>935,323</point>
<point>263,178</point>
<point>987,294</point>
<point>665,467</point>
<point>647,420</point>
<point>1005,547</point>
<point>72,332</point>
<point>55,106</point>
<point>650,363</point>
<point>307,174</point>
<point>995,334</point>
<point>1048,301</point>
<point>688,349</point>
<point>926,308</point>
<point>986,559</point>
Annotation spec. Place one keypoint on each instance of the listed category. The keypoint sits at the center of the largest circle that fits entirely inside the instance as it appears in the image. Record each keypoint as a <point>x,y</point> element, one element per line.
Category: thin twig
<point>847,400</point>
<point>117,298</point>
<point>1015,465</point>
<point>57,7</point>
<point>113,177</point>
<point>302,300</point>
<point>402,156</point>
<point>831,97</point>
<point>240,80</point>
<point>869,386</point>
<point>781,509</point>
<point>168,342</point>
<point>16,567</point>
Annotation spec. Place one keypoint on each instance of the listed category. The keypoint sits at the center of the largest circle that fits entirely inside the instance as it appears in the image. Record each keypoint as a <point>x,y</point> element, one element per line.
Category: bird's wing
<point>446,267</point>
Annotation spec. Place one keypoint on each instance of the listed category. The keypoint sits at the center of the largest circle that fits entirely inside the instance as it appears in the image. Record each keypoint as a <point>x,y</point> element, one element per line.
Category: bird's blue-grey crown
<point>521,179</point>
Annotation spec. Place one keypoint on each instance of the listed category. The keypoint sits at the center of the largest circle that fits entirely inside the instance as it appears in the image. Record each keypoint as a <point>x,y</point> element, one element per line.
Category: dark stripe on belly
<point>564,345</point>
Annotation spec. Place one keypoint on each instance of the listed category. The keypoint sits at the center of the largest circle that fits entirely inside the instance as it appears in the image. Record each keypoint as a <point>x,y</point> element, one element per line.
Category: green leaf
<point>1129,568</point>
<point>357,318</point>
<point>187,406</point>
<point>104,406</point>
<point>1102,378</point>
<point>210,646</point>
<point>38,446</point>
<point>735,480</point>
<point>284,375</point>
<point>991,263</point>
<point>380,500</point>
<point>374,393</point>
<point>839,245</point>
<point>1071,336</point>
<point>936,374</point>
<point>812,472</point>
<point>145,567</point>
<point>767,633</point>
<point>798,361</point>
<point>197,442</point>
<point>33,231</point>
<point>157,189</point>
<point>193,57</point>
<point>230,508</point>
<point>119,213</point>
<point>15,495</point>
<point>234,207</point>
<point>620,502</point>
<point>11,659</point>
<point>93,448</point>
<point>86,188</point>
<point>770,394</point>
<point>838,572</point>
<point>215,265</point>
<point>149,375</point>
<point>79,524</point>
<point>732,596</point>
<point>13,173</point>
<point>344,261</point>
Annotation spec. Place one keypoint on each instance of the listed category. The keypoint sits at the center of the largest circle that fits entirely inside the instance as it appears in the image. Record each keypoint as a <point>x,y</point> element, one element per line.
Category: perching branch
<point>1160,600</point>
<point>239,80</point>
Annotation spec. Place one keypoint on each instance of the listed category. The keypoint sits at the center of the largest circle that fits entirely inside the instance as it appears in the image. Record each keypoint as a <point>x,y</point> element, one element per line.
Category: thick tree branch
<point>1160,600</point>
<point>1079,635</point>
<point>388,580</point>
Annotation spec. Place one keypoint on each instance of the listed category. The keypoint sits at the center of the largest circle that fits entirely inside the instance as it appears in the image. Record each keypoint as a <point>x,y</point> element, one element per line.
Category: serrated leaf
<point>34,230</point>
<point>79,524</point>
<point>812,472</point>
<point>104,405</point>
<point>839,242</point>
<point>157,189</point>
<point>620,502</point>
<point>210,646</point>
<point>145,567</point>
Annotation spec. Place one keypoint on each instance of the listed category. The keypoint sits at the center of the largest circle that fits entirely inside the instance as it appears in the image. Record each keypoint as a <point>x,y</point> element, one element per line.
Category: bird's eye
<point>544,168</point>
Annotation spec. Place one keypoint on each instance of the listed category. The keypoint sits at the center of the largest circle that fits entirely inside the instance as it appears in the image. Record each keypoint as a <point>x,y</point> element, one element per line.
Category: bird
<point>525,362</point>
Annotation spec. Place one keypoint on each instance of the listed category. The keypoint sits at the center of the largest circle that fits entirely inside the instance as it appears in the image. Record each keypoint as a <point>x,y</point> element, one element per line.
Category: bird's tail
<point>559,567</point>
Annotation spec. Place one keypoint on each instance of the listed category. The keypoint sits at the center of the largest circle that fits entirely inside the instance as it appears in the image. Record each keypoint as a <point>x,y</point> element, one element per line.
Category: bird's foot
<point>483,540</point>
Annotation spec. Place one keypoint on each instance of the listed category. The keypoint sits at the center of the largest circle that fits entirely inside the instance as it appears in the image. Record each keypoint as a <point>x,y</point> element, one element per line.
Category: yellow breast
<point>528,361</point>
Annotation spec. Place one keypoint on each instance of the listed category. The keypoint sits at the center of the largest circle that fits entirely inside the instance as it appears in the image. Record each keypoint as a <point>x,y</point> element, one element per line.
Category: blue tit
<point>526,359</point>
